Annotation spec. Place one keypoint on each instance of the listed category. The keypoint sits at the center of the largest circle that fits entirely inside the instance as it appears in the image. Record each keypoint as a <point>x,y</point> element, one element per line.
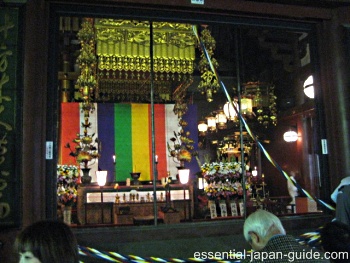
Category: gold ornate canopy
<point>124,63</point>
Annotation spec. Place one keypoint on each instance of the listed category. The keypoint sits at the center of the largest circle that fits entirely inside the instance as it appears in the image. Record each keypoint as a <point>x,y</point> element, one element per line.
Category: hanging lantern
<point>229,110</point>
<point>211,123</point>
<point>309,87</point>
<point>202,128</point>
<point>290,136</point>
<point>246,106</point>
<point>221,120</point>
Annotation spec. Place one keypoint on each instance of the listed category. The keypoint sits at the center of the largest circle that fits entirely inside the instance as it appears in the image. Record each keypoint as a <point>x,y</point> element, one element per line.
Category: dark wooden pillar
<point>335,80</point>
<point>34,111</point>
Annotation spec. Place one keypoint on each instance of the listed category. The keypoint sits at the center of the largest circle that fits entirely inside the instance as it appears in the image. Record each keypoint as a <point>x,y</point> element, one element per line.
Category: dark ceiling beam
<point>310,3</point>
<point>279,8</point>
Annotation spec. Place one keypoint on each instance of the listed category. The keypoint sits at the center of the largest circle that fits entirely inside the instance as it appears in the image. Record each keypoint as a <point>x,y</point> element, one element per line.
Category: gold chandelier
<point>217,120</point>
<point>258,103</point>
<point>259,100</point>
<point>87,80</point>
<point>208,84</point>
<point>232,143</point>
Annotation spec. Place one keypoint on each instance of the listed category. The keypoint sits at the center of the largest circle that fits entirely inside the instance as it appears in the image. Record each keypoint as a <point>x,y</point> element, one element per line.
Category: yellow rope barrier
<point>310,239</point>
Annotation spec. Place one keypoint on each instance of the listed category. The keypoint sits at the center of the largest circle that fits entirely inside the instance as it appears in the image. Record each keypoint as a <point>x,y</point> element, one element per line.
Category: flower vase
<point>86,178</point>
<point>135,178</point>
<point>67,214</point>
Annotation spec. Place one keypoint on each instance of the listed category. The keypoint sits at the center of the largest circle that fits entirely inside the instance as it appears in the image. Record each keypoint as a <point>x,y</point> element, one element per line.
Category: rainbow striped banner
<point>125,131</point>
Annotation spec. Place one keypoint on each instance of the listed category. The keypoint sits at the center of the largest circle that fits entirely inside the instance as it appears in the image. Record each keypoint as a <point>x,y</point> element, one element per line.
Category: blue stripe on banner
<point>191,118</point>
<point>106,136</point>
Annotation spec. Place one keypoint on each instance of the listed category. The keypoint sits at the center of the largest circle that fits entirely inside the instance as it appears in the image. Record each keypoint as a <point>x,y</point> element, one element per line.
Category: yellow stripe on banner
<point>140,140</point>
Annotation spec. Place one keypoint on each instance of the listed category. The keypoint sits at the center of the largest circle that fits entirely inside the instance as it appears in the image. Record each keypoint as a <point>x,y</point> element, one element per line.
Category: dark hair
<point>50,241</point>
<point>335,237</point>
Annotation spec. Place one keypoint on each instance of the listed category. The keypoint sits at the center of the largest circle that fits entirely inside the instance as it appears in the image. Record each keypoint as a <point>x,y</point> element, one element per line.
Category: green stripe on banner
<point>123,141</point>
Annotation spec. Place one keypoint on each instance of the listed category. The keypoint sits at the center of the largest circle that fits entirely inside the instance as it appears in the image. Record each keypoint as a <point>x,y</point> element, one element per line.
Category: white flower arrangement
<point>67,174</point>
<point>224,180</point>
<point>67,177</point>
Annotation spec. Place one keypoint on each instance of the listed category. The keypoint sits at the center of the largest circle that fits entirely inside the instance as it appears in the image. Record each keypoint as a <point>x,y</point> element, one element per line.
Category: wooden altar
<point>128,205</point>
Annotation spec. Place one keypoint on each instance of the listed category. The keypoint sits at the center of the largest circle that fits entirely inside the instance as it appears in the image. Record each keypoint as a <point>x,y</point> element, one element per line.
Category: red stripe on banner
<point>150,139</point>
<point>70,125</point>
<point>160,139</point>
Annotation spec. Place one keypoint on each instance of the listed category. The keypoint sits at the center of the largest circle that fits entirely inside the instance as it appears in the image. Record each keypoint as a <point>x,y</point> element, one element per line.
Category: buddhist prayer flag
<point>125,131</point>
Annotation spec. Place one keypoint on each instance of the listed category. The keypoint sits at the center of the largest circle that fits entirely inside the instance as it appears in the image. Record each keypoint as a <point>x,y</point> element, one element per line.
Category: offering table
<point>122,205</point>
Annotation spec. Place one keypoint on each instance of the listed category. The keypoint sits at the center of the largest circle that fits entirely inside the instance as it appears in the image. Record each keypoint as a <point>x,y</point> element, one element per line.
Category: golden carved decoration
<point>125,45</point>
<point>208,83</point>
<point>124,62</point>
<point>133,90</point>
<point>87,82</point>
<point>180,106</point>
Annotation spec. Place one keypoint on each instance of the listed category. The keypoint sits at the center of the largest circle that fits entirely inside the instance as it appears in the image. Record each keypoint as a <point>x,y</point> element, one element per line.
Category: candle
<point>255,172</point>
<point>113,158</point>
<point>156,157</point>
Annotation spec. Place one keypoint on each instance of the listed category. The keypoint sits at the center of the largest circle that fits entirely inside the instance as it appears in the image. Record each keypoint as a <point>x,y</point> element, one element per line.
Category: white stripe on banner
<point>93,129</point>
<point>171,125</point>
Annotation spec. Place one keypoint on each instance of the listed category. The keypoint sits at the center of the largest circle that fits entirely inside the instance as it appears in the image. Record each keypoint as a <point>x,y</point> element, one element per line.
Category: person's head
<point>335,237</point>
<point>292,173</point>
<point>260,226</point>
<point>47,242</point>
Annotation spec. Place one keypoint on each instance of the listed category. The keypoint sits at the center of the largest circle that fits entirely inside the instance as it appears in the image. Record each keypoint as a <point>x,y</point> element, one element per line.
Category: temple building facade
<point>154,128</point>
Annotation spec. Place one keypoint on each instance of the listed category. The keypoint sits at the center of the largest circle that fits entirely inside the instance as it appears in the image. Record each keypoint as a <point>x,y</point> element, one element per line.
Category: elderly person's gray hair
<point>262,223</point>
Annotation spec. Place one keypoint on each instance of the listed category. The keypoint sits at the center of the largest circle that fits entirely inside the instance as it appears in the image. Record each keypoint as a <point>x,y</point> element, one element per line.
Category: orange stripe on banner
<point>160,139</point>
<point>70,124</point>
